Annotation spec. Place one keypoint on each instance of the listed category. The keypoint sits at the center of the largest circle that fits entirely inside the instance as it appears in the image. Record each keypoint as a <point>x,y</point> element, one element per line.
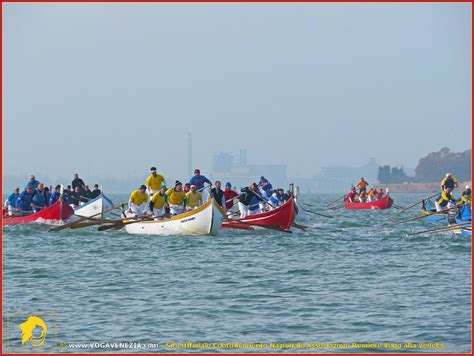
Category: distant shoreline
<point>418,187</point>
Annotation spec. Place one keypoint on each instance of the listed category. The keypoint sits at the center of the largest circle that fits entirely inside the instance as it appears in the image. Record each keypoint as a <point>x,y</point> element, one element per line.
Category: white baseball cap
<point>448,174</point>
<point>468,187</point>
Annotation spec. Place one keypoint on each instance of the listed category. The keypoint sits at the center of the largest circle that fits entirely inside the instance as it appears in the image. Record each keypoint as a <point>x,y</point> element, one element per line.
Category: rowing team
<point>363,195</point>
<point>176,200</point>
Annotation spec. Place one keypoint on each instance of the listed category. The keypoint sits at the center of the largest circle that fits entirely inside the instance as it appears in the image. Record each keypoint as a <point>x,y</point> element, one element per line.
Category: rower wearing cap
<point>137,203</point>
<point>445,200</point>
<point>158,201</point>
<point>155,181</point>
<point>229,196</point>
<point>198,180</point>
<point>449,182</point>
<point>466,196</point>
<point>193,198</point>
<point>176,198</point>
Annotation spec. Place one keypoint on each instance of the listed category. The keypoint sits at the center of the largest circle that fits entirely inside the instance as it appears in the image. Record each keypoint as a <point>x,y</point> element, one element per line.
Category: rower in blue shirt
<point>198,180</point>
<point>23,202</point>
<point>33,183</point>
<point>55,195</point>
<point>10,203</point>
<point>264,185</point>
<point>38,198</point>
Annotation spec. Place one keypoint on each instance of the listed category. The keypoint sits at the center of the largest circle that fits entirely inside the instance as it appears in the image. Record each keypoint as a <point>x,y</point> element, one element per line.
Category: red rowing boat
<point>384,203</point>
<point>53,214</point>
<point>282,217</point>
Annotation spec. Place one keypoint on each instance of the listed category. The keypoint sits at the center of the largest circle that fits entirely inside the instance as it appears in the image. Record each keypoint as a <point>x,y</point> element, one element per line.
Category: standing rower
<point>362,185</point>
<point>137,203</point>
<point>449,182</point>
<point>155,181</point>
<point>77,182</point>
<point>33,183</point>
<point>198,180</point>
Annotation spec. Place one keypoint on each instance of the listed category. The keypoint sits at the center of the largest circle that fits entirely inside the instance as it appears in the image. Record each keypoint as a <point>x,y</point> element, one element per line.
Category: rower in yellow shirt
<point>158,201</point>
<point>193,198</point>
<point>155,181</point>
<point>449,182</point>
<point>176,198</point>
<point>137,203</point>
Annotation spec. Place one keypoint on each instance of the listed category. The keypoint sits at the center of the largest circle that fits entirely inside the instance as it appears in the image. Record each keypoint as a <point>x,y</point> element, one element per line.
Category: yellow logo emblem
<point>27,329</point>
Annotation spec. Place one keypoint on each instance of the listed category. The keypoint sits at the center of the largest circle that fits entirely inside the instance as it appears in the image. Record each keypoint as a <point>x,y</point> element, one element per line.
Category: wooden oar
<point>411,206</point>
<point>315,213</point>
<point>425,215</point>
<point>450,227</point>
<point>299,226</point>
<point>271,227</point>
<point>335,201</point>
<point>65,226</point>
<point>79,225</point>
<point>120,223</point>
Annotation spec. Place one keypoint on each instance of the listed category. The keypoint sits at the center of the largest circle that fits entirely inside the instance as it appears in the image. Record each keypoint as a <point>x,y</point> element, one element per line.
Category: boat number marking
<point>188,219</point>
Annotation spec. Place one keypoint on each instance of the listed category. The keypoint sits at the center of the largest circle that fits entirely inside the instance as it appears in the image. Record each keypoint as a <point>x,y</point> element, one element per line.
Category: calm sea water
<point>347,279</point>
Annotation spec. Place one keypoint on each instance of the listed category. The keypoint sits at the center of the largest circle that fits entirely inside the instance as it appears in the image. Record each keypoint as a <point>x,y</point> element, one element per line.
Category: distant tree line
<point>393,175</point>
<point>431,168</point>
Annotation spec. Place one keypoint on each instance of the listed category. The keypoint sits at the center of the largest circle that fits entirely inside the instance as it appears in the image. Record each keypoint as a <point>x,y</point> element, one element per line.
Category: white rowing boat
<point>99,204</point>
<point>205,220</point>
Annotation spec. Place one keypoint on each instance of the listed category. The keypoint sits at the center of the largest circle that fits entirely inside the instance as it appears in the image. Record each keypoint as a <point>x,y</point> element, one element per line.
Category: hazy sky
<point>111,89</point>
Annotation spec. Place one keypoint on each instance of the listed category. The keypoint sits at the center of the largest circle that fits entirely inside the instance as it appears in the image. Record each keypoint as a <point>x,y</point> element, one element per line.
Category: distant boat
<point>384,203</point>
<point>54,214</point>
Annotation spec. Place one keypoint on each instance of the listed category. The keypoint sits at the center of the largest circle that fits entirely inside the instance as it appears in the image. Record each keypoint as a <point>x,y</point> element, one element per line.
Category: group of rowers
<point>36,196</point>
<point>446,200</point>
<point>363,195</point>
<point>154,198</point>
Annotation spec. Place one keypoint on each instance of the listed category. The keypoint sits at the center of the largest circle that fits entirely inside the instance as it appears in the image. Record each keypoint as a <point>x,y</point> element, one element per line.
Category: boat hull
<point>384,203</point>
<point>282,217</point>
<point>205,220</point>
<point>54,214</point>
<point>94,206</point>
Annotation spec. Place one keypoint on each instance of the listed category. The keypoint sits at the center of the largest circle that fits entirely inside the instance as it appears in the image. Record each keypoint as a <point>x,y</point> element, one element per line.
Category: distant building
<point>227,167</point>
<point>222,162</point>
<point>340,178</point>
